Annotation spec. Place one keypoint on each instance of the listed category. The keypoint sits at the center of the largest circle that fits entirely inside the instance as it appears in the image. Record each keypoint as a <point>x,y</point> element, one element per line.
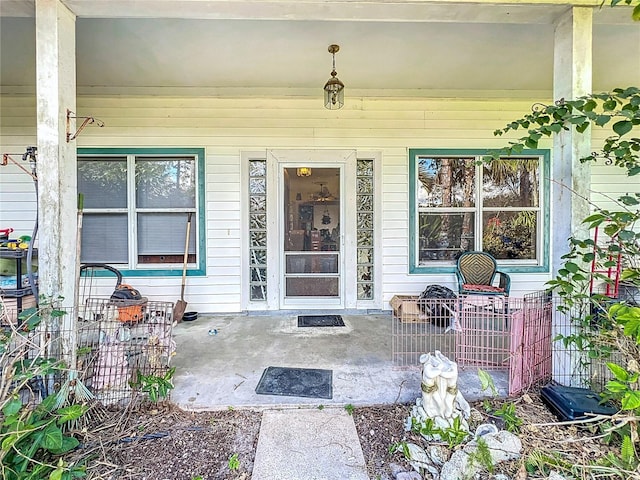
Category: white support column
<point>57,185</point>
<point>572,71</point>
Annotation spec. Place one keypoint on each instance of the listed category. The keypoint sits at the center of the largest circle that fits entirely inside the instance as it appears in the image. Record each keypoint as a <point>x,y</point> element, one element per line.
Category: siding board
<point>225,127</point>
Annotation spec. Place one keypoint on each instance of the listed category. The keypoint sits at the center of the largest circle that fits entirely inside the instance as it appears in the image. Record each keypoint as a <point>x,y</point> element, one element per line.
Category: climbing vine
<point>607,329</point>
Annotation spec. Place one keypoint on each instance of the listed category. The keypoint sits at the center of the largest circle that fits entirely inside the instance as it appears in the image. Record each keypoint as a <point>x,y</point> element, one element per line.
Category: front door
<point>311,242</point>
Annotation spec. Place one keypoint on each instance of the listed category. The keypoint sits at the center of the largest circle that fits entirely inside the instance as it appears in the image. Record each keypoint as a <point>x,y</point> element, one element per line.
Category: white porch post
<point>55,93</point>
<point>572,71</point>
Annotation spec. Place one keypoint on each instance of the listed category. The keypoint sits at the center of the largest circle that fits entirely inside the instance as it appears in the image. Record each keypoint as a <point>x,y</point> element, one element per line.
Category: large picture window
<point>136,206</point>
<point>459,203</point>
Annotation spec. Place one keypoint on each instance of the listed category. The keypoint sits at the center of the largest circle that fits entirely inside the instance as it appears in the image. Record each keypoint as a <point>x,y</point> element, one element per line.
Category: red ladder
<point>612,271</point>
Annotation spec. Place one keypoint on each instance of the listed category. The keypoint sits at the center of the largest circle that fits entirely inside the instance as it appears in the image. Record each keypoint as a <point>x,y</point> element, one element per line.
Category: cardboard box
<point>11,307</point>
<point>406,308</point>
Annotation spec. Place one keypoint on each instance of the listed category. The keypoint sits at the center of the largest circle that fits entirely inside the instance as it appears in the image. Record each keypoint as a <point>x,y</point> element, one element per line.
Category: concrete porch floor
<point>219,371</point>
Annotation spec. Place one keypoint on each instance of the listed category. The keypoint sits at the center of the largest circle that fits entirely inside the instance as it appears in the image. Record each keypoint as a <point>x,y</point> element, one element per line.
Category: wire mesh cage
<point>113,344</point>
<point>536,339</point>
<point>119,339</point>
<point>580,351</point>
<point>496,333</point>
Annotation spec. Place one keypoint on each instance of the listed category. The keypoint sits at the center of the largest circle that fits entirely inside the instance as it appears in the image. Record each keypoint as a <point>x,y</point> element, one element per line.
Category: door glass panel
<point>312,263</point>
<point>312,232</point>
<point>312,287</point>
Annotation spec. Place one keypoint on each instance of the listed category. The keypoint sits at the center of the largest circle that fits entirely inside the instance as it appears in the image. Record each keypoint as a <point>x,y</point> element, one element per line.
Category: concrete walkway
<point>308,445</point>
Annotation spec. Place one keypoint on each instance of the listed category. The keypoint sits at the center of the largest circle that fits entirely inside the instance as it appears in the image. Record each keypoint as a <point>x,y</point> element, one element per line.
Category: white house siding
<point>17,190</point>
<point>225,127</point>
<point>609,182</point>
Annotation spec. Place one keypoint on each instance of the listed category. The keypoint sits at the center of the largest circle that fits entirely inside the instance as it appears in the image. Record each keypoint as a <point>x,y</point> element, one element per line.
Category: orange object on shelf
<point>131,311</point>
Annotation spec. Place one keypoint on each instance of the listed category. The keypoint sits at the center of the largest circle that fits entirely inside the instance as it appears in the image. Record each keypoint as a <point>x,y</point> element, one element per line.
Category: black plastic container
<point>572,403</point>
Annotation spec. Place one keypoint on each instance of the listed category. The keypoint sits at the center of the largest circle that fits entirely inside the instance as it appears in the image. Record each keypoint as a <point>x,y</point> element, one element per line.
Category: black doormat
<point>296,382</point>
<point>320,321</point>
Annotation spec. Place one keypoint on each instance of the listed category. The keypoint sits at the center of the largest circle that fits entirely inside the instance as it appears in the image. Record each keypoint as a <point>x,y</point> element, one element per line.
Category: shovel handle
<point>186,256</point>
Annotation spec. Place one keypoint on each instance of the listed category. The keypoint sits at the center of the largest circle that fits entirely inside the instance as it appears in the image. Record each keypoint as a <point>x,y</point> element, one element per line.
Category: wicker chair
<point>477,272</point>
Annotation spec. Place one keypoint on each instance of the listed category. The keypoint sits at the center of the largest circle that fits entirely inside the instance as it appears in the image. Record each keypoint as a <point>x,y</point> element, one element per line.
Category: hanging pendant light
<point>334,88</point>
<point>303,171</point>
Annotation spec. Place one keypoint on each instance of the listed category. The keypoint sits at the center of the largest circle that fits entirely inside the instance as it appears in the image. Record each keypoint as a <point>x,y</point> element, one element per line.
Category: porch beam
<point>462,11</point>
<point>57,186</point>
<point>572,78</point>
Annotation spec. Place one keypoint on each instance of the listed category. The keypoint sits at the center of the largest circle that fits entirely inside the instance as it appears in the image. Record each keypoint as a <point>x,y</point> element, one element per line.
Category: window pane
<point>165,182</point>
<point>258,185</point>
<point>104,238</point>
<point>364,185</point>
<point>510,235</point>
<point>258,203</point>
<point>365,255</point>
<point>365,238</point>
<point>446,182</point>
<point>103,181</point>
<point>258,168</point>
<point>312,263</point>
<point>511,183</point>
<point>365,291</point>
<point>163,234</point>
<point>444,236</point>
<point>312,287</point>
<point>259,292</point>
<point>364,168</point>
<point>365,203</point>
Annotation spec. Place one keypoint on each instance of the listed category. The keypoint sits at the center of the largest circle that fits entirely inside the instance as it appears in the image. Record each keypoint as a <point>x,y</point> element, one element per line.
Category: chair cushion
<point>481,288</point>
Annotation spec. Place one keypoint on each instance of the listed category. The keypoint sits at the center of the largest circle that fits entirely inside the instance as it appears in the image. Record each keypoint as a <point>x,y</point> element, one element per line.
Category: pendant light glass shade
<point>334,88</point>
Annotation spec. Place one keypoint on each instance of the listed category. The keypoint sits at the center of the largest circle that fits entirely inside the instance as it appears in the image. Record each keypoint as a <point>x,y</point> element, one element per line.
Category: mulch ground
<point>163,442</point>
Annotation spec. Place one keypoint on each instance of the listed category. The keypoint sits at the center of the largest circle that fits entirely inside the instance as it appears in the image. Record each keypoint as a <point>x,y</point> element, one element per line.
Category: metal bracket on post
<point>28,156</point>
<point>87,121</point>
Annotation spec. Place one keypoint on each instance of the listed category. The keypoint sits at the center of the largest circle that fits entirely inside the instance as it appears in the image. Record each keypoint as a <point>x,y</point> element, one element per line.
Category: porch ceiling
<point>280,47</point>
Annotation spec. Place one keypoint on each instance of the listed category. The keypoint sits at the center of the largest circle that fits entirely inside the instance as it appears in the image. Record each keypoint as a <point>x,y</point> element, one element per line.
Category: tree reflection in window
<point>463,204</point>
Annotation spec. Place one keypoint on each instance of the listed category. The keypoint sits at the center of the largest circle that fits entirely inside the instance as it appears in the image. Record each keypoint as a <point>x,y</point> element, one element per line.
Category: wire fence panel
<point>420,326</point>
<point>531,343</point>
<point>479,331</point>
<point>580,353</point>
<point>482,334</point>
<point>536,338</point>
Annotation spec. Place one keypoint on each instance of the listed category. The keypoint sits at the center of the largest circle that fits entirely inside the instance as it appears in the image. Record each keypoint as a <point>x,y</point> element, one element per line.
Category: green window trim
<point>199,153</point>
<point>543,264</point>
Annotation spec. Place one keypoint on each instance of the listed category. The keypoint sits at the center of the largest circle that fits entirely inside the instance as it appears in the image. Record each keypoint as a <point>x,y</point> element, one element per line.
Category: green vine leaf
<point>618,372</point>
<point>56,474</point>
<point>68,444</point>
<point>70,413</point>
<point>52,438</point>
<point>631,400</point>
<point>12,407</point>
<point>623,127</point>
<point>629,200</point>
